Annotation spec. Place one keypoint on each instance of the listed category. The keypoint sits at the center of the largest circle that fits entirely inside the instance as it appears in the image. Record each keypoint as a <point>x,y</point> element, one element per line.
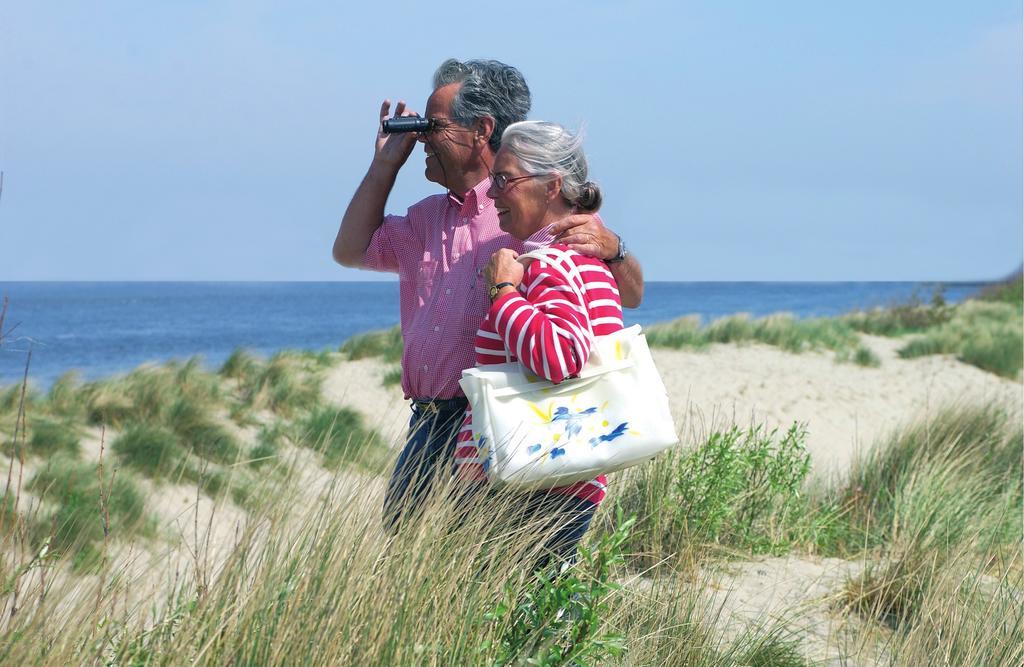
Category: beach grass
<point>955,475</point>
<point>392,377</point>
<point>84,507</point>
<point>781,330</point>
<point>934,510</point>
<point>285,384</point>
<point>49,436</point>
<point>153,450</point>
<point>269,442</point>
<point>386,343</point>
<point>339,435</point>
<point>986,334</point>
<point>201,432</point>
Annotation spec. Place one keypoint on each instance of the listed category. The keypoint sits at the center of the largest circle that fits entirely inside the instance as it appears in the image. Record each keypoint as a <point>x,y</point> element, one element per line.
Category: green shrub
<point>558,621</point>
<point>153,450</point>
<point>740,485</point>
<point>740,489</point>
<point>386,343</point>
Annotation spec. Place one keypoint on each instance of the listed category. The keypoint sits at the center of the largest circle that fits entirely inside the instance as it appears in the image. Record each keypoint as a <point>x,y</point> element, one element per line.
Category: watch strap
<point>493,291</point>
<point>620,255</point>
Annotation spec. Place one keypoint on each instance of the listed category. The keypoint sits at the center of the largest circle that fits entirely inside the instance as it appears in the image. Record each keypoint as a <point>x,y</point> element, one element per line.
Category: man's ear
<point>484,129</point>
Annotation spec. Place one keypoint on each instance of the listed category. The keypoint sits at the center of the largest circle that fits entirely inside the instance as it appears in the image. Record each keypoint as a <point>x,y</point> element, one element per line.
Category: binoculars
<point>407,124</point>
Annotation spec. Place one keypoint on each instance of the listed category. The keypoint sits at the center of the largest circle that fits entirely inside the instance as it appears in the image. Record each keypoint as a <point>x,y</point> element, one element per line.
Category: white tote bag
<point>534,434</point>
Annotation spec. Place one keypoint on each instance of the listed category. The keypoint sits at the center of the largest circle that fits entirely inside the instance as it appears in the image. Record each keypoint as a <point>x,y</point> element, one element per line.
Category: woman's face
<point>523,202</point>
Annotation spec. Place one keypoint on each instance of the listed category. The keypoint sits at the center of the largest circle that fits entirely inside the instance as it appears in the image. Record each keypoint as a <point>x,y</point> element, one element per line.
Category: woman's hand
<point>504,268</point>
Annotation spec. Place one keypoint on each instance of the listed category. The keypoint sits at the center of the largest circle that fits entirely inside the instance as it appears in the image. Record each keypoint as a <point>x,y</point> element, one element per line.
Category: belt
<point>429,405</point>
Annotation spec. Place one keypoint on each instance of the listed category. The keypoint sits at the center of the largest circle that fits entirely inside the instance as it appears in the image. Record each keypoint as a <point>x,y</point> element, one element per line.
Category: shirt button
<point>425,367</point>
<point>465,219</point>
<point>481,207</point>
<point>455,255</point>
<point>448,290</point>
<point>437,328</point>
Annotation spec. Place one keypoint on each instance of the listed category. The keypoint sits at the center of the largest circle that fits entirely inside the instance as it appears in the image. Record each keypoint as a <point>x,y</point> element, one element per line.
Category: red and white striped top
<point>544,326</point>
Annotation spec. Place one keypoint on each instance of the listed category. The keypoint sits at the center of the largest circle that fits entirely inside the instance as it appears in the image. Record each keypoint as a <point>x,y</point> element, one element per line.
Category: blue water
<point>107,328</point>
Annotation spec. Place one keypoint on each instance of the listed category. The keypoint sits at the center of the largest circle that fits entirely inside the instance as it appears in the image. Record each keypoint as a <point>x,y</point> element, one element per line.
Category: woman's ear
<point>554,187</point>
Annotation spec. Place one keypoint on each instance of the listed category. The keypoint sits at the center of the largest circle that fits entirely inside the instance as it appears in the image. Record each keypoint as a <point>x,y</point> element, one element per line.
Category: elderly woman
<point>539,176</point>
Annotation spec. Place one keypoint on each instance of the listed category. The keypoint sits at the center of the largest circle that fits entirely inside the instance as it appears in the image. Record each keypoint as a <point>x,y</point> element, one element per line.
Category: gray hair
<point>549,148</point>
<point>489,88</point>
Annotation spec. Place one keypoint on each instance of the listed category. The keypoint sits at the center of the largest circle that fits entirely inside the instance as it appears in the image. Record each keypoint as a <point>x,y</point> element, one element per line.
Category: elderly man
<point>440,247</point>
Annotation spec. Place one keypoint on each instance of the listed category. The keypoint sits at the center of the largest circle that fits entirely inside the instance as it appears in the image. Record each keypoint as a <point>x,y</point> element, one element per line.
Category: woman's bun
<point>590,197</point>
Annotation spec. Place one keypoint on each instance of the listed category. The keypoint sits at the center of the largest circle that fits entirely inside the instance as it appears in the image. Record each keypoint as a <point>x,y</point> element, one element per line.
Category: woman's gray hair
<point>489,88</point>
<point>549,148</point>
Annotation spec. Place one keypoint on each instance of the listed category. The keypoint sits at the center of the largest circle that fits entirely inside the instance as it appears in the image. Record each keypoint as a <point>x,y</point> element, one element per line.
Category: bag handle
<point>546,255</point>
<point>573,383</point>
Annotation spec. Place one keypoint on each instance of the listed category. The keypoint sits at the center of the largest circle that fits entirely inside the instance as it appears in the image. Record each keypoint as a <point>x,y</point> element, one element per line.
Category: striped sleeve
<point>547,330</point>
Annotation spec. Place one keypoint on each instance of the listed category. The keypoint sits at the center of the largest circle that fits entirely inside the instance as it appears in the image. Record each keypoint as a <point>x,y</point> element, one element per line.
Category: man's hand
<point>365,213</point>
<point>392,150</point>
<point>504,268</point>
<point>584,233</point>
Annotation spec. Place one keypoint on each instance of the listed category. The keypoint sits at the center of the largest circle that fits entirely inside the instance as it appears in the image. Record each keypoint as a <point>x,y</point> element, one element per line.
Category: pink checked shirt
<point>439,249</point>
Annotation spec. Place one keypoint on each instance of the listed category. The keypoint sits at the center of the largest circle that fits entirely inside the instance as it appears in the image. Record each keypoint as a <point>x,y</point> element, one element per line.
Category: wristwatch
<point>620,255</point>
<point>492,293</point>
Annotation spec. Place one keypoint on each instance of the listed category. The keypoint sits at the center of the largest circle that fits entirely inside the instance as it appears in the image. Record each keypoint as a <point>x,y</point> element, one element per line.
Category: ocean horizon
<point>106,328</point>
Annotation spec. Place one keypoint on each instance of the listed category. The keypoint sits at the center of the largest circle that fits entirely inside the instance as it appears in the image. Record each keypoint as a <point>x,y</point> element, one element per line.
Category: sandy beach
<point>845,407</point>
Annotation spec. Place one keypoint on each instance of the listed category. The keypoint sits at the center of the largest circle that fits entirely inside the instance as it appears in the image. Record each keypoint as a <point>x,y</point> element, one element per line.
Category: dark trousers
<point>429,452</point>
<point>563,520</point>
<point>568,517</point>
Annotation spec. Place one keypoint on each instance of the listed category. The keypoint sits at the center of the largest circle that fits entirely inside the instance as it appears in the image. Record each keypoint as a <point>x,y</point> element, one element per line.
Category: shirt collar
<point>475,200</point>
<point>541,238</point>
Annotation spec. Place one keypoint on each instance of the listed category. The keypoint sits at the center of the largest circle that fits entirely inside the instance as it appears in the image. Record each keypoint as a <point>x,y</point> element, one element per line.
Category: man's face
<point>449,148</point>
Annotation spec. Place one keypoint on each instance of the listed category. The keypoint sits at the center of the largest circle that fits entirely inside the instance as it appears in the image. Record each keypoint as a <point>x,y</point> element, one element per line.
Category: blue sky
<point>748,141</point>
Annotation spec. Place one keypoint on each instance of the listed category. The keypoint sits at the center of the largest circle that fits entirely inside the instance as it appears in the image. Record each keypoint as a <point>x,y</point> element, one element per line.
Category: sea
<point>101,329</point>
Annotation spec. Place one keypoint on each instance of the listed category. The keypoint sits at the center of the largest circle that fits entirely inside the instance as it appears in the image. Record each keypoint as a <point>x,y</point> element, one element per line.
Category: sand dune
<point>845,407</point>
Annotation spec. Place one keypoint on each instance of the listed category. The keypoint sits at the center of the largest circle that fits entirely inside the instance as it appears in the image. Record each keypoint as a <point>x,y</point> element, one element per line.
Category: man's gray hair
<point>549,148</point>
<point>489,88</point>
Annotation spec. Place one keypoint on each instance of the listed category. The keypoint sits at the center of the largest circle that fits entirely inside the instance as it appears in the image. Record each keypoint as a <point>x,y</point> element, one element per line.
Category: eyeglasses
<point>502,181</point>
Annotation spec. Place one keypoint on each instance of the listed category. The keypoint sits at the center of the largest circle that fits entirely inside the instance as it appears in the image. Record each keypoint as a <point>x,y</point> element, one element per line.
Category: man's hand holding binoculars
<point>392,150</point>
